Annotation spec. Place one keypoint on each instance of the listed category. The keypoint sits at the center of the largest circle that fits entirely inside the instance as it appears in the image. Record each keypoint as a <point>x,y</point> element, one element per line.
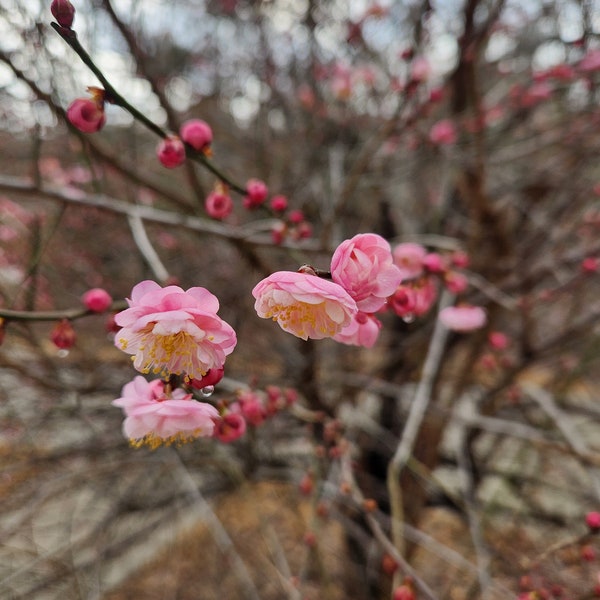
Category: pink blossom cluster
<point>367,278</point>
<point>176,334</point>
<point>363,275</point>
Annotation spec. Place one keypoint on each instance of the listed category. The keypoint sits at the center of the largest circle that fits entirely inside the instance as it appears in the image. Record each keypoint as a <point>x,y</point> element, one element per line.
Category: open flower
<point>172,331</point>
<point>463,318</point>
<point>155,415</point>
<point>364,267</point>
<point>303,304</point>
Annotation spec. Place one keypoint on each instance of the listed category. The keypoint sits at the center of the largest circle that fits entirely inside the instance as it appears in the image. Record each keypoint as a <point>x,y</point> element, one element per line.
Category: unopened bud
<point>63,335</point>
<point>64,12</point>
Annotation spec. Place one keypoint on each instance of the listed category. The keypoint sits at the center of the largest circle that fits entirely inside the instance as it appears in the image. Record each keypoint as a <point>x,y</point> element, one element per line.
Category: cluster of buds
<point>251,408</point>
<point>95,300</point>
<point>195,133</point>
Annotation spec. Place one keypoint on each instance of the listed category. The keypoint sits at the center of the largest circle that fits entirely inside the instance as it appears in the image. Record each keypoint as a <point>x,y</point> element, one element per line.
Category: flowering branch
<point>113,96</point>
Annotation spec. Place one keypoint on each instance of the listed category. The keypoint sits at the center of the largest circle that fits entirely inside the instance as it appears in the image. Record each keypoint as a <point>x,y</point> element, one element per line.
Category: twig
<point>413,422</point>
<point>140,236</point>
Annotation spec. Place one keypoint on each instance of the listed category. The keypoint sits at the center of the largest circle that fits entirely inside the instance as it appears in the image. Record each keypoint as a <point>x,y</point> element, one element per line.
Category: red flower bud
<point>64,12</point>
<point>63,335</point>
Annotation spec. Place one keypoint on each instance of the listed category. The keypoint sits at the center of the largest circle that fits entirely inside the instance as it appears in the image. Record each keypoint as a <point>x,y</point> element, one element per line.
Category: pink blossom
<point>365,268</point>
<point>443,133</point>
<point>456,282</point>
<point>251,407</point>
<point>256,193</point>
<point>279,203</point>
<point>304,305</point>
<point>171,152</point>
<point>197,134</point>
<point>434,263</point>
<point>155,415</point>
<point>403,301</point>
<point>169,330</point>
<point>362,331</point>
<point>218,204</point>
<point>409,258</point>
<point>295,216</point>
<point>97,300</point>
<point>590,62</point>
<point>420,69</point>
<point>498,340</point>
<point>592,520</point>
<point>230,427</point>
<point>86,114</point>
<point>463,318</point>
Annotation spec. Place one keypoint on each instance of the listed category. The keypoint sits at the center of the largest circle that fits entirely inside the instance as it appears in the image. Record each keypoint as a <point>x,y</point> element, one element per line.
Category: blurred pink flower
<point>97,300</point>
<point>169,330</point>
<point>362,331</point>
<point>155,416</point>
<point>230,427</point>
<point>86,114</point>
<point>443,133</point>
<point>409,258</point>
<point>197,133</point>
<point>256,193</point>
<point>171,152</point>
<point>303,304</point>
<point>463,318</point>
<point>218,204</point>
<point>365,268</point>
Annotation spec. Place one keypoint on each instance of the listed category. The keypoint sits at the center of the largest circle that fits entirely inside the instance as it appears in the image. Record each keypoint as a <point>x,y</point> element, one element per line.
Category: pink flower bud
<point>63,11</point>
<point>230,427</point>
<point>97,300</point>
<point>592,520</point>
<point>498,340</point>
<point>212,377</point>
<point>86,114</point>
<point>63,335</point>
<point>403,592</point>
<point>171,152</point>
<point>279,203</point>
<point>443,133</point>
<point>296,216</point>
<point>256,193</point>
<point>590,264</point>
<point>460,259</point>
<point>433,262</point>
<point>196,133</point>
<point>218,204</point>
<point>456,282</point>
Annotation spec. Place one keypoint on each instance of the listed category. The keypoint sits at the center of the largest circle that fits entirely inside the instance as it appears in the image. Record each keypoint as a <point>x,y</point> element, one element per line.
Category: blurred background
<point>469,127</point>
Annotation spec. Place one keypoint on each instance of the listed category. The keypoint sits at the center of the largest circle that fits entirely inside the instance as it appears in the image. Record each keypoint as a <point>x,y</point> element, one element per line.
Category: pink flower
<point>456,282</point>
<point>303,304</point>
<point>86,114</point>
<point>279,203</point>
<point>362,331</point>
<point>97,300</point>
<point>590,62</point>
<point>251,407</point>
<point>409,258</point>
<point>364,267</point>
<point>218,204</point>
<point>592,520</point>
<point>256,193</point>
<point>155,416</point>
<point>443,133</point>
<point>498,340</point>
<point>230,427</point>
<point>169,330</point>
<point>463,318</point>
<point>171,152</point>
<point>196,133</point>
<point>64,12</point>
